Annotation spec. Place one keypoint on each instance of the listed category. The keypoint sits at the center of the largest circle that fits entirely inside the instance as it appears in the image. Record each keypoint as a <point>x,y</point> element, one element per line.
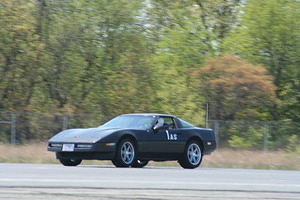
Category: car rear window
<point>185,124</point>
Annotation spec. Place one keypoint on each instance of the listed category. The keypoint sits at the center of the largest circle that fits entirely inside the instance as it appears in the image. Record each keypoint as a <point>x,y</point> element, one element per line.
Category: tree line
<point>240,57</point>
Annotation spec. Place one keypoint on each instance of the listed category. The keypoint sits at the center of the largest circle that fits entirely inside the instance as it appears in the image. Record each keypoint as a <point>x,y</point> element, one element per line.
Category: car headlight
<point>55,145</point>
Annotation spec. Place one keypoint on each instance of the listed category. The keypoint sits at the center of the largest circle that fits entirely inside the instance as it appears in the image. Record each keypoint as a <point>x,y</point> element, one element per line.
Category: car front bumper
<point>83,151</point>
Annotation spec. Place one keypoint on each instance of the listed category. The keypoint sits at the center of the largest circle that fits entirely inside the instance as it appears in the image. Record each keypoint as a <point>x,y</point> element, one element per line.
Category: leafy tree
<point>126,82</point>
<point>232,86</point>
<point>220,16</point>
<point>21,54</point>
<point>269,34</point>
<point>97,56</point>
<point>182,46</point>
<point>246,137</point>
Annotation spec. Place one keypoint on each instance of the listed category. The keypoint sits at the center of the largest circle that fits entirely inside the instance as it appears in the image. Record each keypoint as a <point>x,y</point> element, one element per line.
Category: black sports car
<point>133,140</point>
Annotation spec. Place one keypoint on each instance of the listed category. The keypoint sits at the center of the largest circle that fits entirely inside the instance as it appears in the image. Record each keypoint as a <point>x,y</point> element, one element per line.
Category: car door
<point>167,139</point>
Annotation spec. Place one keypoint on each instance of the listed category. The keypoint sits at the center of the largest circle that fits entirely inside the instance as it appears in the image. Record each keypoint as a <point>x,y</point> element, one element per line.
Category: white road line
<point>146,182</point>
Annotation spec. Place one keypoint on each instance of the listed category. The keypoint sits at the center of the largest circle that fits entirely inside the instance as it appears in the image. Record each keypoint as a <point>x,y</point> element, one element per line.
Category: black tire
<point>140,163</point>
<point>125,154</point>
<point>192,156</point>
<point>70,162</point>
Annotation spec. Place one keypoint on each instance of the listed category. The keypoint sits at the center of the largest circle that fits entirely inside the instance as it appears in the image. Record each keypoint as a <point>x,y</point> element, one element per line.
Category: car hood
<point>87,135</point>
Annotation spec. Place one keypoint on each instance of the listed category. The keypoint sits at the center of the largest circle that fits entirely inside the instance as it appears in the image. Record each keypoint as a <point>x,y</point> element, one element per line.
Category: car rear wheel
<point>192,156</point>
<point>125,154</point>
<point>70,162</point>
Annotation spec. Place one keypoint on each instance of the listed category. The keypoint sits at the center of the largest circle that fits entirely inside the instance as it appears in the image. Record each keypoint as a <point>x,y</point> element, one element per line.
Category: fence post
<point>206,116</point>
<point>266,136</point>
<point>216,131</point>
<point>65,122</point>
<point>13,129</point>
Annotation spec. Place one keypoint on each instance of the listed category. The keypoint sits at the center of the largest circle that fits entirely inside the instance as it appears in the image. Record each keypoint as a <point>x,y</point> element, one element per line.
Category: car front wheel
<point>192,156</point>
<point>125,154</point>
<point>140,163</point>
<point>70,162</point>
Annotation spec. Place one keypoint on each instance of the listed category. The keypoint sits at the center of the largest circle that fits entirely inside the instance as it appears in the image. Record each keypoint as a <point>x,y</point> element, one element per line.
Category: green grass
<point>222,158</point>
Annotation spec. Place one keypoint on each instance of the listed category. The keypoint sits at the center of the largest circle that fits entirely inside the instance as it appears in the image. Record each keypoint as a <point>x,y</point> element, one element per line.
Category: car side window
<point>169,123</point>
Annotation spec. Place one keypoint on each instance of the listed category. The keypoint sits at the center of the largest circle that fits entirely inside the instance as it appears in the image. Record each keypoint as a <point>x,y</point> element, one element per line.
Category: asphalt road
<point>35,181</point>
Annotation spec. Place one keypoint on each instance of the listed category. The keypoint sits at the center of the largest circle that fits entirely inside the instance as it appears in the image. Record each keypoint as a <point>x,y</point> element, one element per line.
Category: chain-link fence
<point>256,135</point>
<point>22,127</point>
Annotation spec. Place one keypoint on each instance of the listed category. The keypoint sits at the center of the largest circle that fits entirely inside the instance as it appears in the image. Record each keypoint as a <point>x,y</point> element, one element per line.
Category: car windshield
<point>131,122</point>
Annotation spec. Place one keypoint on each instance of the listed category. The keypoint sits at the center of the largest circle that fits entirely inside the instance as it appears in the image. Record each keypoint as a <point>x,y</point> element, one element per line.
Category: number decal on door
<point>171,136</point>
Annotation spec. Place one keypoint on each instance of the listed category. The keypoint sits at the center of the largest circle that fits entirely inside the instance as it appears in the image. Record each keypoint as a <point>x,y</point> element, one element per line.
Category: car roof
<point>150,114</point>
